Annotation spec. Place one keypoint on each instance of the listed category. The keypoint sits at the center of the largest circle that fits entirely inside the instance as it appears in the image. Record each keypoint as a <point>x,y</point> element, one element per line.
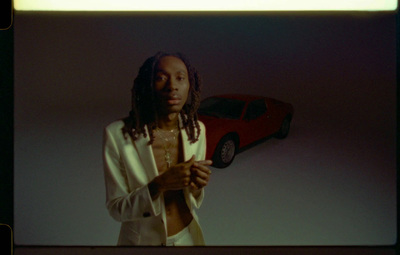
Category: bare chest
<point>167,155</point>
<point>167,152</point>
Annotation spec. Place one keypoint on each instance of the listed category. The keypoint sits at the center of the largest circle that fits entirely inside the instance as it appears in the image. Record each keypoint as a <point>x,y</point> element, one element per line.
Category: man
<point>155,167</point>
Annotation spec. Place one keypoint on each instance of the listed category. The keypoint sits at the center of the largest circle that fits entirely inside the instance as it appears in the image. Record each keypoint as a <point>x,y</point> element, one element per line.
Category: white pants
<point>182,238</point>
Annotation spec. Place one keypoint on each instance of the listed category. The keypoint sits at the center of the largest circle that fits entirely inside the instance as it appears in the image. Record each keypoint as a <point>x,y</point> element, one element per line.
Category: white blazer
<point>128,167</point>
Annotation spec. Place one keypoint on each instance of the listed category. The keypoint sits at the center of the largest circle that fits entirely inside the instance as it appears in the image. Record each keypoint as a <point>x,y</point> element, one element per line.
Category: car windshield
<point>220,107</point>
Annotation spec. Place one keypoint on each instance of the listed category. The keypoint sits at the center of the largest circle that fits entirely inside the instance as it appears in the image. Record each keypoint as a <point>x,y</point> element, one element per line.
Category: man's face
<point>171,84</point>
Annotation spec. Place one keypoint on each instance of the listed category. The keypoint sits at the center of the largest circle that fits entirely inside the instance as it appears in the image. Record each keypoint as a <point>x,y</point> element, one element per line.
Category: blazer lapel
<point>187,154</point>
<point>146,156</point>
<point>187,149</point>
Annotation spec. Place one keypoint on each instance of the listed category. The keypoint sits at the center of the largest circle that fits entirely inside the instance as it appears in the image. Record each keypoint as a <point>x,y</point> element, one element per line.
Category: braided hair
<point>144,105</point>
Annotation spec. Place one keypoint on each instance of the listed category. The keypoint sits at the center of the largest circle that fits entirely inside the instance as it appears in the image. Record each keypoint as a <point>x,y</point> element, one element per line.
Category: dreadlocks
<point>144,111</point>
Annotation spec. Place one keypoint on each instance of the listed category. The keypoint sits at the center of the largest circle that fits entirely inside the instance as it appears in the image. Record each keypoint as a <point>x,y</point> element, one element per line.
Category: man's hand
<point>189,173</point>
<point>175,178</point>
<point>200,174</point>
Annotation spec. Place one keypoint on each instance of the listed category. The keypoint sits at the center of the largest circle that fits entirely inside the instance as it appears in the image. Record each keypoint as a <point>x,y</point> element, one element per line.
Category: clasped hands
<point>191,173</point>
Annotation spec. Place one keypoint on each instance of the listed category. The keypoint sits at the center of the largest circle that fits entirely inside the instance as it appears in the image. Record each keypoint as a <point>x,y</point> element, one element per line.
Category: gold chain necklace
<point>165,140</point>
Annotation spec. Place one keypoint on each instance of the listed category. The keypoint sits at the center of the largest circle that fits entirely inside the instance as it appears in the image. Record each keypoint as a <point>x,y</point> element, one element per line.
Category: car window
<point>255,109</point>
<point>220,107</point>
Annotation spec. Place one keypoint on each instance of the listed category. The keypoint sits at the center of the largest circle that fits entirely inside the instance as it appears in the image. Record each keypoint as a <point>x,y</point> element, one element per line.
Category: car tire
<point>225,152</point>
<point>284,129</point>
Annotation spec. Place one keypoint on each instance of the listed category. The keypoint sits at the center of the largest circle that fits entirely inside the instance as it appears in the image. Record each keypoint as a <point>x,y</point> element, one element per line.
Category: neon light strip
<point>205,5</point>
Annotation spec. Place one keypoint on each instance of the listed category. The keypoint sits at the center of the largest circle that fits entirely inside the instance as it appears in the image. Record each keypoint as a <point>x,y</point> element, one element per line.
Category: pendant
<point>168,159</point>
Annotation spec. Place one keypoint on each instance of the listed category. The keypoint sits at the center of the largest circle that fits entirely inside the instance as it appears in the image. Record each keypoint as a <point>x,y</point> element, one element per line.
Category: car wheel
<point>225,152</point>
<point>284,130</point>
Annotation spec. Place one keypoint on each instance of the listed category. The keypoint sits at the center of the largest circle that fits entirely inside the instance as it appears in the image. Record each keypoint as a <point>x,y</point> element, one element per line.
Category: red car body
<point>249,124</point>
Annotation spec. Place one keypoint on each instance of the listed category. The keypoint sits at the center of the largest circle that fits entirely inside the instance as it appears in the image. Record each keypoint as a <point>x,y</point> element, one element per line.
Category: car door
<point>257,120</point>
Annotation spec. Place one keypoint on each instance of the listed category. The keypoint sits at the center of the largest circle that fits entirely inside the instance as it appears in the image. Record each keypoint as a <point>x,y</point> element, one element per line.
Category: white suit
<point>128,167</point>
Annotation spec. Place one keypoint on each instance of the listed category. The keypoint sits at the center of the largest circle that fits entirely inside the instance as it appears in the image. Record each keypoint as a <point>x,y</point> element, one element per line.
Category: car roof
<point>242,97</point>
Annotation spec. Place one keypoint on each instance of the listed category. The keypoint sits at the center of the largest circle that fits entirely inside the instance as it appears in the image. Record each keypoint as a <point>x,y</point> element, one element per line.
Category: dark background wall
<point>74,71</point>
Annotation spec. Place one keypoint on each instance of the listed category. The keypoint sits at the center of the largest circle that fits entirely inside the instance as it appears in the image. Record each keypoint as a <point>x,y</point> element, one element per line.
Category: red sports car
<point>234,121</point>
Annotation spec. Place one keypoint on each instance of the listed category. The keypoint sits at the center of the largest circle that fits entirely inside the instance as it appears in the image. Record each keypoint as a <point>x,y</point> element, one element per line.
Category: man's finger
<point>204,162</point>
<point>202,168</point>
<point>203,174</point>
<point>200,183</point>
<point>194,186</point>
<point>190,161</point>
